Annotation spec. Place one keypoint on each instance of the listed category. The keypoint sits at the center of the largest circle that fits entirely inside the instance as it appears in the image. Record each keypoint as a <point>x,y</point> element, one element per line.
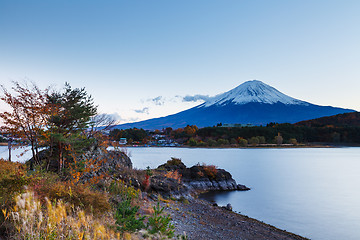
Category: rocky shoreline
<point>200,219</point>
<point>174,179</point>
<point>176,187</point>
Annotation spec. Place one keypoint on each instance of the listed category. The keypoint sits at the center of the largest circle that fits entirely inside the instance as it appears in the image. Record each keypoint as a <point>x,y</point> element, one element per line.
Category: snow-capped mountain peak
<point>252,91</point>
<point>253,102</point>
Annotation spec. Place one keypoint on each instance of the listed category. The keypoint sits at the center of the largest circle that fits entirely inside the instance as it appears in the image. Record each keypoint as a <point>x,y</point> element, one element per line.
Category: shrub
<point>13,178</point>
<point>126,217</point>
<point>11,186</point>
<point>11,168</point>
<point>222,141</point>
<point>148,171</point>
<point>293,141</point>
<point>211,143</point>
<point>201,144</point>
<point>243,142</point>
<point>77,195</point>
<point>146,183</point>
<point>159,223</point>
<point>262,139</point>
<point>174,175</point>
<point>254,141</point>
<point>210,171</point>
<point>192,142</point>
<point>123,191</point>
<point>174,161</point>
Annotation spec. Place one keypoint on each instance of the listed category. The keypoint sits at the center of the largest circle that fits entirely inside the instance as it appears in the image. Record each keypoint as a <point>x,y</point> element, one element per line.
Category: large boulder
<point>208,177</point>
<point>110,163</point>
<point>196,178</point>
<point>110,159</point>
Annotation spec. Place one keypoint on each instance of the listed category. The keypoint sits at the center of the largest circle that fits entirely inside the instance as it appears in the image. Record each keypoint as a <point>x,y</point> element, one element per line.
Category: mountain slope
<point>340,120</point>
<point>252,102</point>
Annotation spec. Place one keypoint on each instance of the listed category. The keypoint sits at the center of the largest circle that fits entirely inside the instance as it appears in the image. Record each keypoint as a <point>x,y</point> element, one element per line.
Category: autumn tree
<point>28,115</point>
<point>190,130</point>
<point>168,131</point>
<point>68,124</point>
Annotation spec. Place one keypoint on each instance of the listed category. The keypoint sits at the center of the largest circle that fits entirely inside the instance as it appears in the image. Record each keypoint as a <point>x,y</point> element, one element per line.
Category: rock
<point>109,161</point>
<point>196,178</point>
<point>242,187</point>
<point>153,197</point>
<point>168,187</point>
<point>208,178</point>
<point>228,207</point>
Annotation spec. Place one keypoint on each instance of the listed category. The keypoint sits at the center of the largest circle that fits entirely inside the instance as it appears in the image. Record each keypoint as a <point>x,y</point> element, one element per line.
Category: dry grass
<point>55,221</point>
<point>38,205</point>
<point>79,195</point>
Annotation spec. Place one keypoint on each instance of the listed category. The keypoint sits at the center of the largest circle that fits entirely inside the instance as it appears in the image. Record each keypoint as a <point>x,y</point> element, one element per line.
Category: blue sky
<point>138,59</point>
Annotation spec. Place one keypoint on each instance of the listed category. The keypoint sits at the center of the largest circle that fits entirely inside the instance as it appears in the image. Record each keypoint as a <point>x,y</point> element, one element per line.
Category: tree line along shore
<point>342,129</point>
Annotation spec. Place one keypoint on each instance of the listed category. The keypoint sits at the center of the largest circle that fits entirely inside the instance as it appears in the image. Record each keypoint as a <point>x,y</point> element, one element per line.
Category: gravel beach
<point>201,220</point>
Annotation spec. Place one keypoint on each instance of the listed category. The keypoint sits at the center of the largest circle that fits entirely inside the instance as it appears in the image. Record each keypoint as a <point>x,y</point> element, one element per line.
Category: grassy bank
<point>41,205</point>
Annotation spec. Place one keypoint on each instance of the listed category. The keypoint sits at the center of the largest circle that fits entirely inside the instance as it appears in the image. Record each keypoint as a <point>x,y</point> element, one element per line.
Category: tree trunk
<point>37,151</point>
<point>9,147</point>
<point>10,153</point>
<point>34,158</point>
<point>60,158</point>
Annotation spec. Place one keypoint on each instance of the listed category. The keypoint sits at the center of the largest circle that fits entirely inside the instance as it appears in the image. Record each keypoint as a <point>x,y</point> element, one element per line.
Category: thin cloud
<point>157,101</point>
<point>120,119</point>
<point>144,110</point>
<point>195,98</point>
<point>114,116</point>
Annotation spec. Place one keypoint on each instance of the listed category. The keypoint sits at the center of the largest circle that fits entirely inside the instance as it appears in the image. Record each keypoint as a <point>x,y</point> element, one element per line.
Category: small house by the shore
<point>122,141</point>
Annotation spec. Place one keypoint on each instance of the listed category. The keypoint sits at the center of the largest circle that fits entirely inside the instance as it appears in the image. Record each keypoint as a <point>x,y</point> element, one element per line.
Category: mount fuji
<point>252,102</point>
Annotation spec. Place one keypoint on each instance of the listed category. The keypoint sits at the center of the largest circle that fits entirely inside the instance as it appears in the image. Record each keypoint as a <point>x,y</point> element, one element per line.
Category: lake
<point>313,192</point>
<point>17,155</point>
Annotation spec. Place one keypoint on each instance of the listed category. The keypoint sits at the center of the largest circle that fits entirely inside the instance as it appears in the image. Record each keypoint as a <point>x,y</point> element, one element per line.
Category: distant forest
<point>342,128</point>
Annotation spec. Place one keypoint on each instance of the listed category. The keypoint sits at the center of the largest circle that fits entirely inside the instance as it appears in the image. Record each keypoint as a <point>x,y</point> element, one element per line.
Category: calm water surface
<point>313,192</point>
